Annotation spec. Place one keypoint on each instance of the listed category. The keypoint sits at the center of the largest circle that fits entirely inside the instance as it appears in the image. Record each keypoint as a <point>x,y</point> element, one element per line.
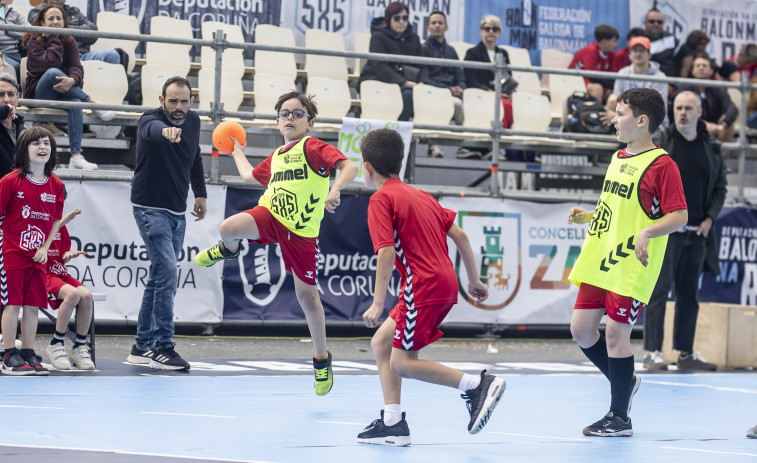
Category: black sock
<point>621,380</point>
<point>80,340</point>
<point>11,351</point>
<point>58,337</point>
<point>598,355</point>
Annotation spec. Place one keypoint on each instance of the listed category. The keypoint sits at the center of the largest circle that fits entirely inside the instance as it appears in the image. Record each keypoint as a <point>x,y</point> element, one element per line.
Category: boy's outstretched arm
<point>384,267</point>
<point>243,165</point>
<point>475,288</point>
<point>665,226</point>
<point>347,173</point>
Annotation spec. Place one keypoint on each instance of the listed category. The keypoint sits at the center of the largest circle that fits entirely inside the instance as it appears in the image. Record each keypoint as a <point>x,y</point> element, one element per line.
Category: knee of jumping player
<point>401,363</point>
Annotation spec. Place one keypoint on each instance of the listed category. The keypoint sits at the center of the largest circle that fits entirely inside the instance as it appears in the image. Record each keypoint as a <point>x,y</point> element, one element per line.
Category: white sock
<point>392,414</point>
<point>468,382</point>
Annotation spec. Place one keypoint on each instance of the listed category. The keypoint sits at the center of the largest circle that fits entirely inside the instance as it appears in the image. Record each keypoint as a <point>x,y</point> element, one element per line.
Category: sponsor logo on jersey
<point>617,188</point>
<point>293,158</point>
<point>601,220</point>
<point>628,169</point>
<point>47,198</point>
<point>25,211</point>
<point>290,174</point>
<point>20,194</point>
<point>32,239</point>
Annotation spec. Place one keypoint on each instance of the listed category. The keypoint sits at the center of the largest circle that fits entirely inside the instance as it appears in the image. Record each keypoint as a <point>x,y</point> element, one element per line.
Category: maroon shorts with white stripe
<point>417,328</point>
<point>300,254</point>
<point>622,309</point>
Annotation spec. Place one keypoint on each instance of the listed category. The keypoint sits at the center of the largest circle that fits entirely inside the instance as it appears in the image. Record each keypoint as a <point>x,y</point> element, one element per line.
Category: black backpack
<point>583,114</point>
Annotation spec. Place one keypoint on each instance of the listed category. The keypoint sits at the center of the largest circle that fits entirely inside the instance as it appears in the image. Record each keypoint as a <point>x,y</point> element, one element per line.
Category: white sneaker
<point>57,355</point>
<point>81,357</point>
<point>435,152</point>
<point>104,114</point>
<point>654,361</point>
<point>78,162</point>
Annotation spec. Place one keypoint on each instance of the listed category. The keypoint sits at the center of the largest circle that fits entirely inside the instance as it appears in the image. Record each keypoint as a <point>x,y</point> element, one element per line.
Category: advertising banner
<point>117,264</point>
<point>352,132</point>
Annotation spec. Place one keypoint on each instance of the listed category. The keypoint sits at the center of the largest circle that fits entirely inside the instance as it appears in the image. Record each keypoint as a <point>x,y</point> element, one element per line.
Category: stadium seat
<point>334,67</point>
<point>233,58</point>
<point>170,54</point>
<point>232,92</point>
<point>478,107</point>
<point>380,100</point>
<point>268,88</point>
<point>153,77</point>
<point>560,87</point>
<point>551,58</point>
<point>104,82</point>
<point>362,45</point>
<point>530,112</point>
<point>528,82</point>
<point>271,62</point>
<point>432,105</point>
<point>331,95</point>
<point>116,22</point>
<point>461,48</point>
<point>518,56</point>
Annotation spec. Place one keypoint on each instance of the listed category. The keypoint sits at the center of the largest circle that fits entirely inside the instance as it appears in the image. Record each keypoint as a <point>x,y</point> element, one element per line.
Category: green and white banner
<point>353,131</point>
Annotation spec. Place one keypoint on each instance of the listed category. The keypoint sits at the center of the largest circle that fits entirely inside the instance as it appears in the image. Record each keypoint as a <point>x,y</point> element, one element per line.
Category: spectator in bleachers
<point>598,56</point>
<point>55,73</point>
<point>394,35</point>
<point>9,41</point>
<point>13,123</point>
<point>667,51</point>
<point>621,58</point>
<point>744,61</point>
<point>79,20</point>
<point>441,76</point>
<point>639,52</point>
<point>718,111</point>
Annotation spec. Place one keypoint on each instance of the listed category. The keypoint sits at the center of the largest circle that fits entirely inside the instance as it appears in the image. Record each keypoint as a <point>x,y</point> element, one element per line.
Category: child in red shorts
<point>296,176</point>
<point>409,230</point>
<point>31,203</point>
<point>68,294</point>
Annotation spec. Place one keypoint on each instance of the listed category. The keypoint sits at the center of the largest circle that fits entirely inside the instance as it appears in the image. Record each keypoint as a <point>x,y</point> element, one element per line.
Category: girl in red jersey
<point>31,204</point>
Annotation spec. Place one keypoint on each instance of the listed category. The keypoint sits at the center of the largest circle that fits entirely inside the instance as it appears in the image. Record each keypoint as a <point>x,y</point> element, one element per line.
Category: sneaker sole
<point>137,360</point>
<point>624,433</point>
<point>634,390</point>
<point>493,395</point>
<point>159,366</point>
<point>660,367</point>
<point>19,373</point>
<point>393,441</point>
<point>90,367</point>
<point>42,373</point>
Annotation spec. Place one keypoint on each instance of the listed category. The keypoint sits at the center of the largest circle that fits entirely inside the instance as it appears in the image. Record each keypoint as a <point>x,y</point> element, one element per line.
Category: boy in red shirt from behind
<point>409,230</point>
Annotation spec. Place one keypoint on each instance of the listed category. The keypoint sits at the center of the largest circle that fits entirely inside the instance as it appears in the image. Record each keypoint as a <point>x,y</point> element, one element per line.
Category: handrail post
<point>743,142</point>
<point>216,109</point>
<point>497,124</point>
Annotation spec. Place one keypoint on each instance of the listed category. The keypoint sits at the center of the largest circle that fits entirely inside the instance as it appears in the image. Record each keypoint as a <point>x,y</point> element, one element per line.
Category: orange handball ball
<point>223,133</point>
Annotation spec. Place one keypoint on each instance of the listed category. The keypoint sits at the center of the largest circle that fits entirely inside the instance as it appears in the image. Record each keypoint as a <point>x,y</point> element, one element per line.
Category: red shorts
<point>300,254</point>
<point>622,309</point>
<point>55,283</point>
<point>418,329</point>
<point>26,287</point>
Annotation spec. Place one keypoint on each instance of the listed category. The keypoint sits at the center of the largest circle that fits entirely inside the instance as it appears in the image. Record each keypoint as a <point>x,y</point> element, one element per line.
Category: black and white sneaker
<point>378,433</point>
<point>139,356</point>
<point>482,400</point>
<point>168,359</point>
<point>33,361</point>
<point>634,389</point>
<point>752,433</point>
<point>14,365</point>
<point>610,426</point>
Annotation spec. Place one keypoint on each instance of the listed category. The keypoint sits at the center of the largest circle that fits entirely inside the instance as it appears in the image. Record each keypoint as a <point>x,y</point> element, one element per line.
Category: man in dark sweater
<point>168,160</point>
<point>693,248</point>
<point>13,123</point>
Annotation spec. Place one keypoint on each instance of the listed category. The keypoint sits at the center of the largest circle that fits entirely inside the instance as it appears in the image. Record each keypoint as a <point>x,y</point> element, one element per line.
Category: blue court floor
<point>258,418</point>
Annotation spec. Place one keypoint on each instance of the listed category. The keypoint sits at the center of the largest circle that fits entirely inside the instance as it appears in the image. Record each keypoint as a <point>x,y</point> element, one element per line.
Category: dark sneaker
<point>482,400</point>
<point>139,356</point>
<point>654,361</point>
<point>610,426</point>
<point>210,256</point>
<point>33,361</point>
<point>695,361</point>
<point>378,433</point>
<point>324,377</point>
<point>752,433</point>
<point>14,365</point>
<point>634,388</point>
<point>168,359</point>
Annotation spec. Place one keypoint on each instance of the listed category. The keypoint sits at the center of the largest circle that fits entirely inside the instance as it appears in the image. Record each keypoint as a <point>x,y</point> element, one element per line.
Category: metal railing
<point>500,69</point>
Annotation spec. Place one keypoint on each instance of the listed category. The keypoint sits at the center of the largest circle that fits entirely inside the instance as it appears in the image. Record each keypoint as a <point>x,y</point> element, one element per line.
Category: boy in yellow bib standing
<point>296,176</point>
<point>641,202</point>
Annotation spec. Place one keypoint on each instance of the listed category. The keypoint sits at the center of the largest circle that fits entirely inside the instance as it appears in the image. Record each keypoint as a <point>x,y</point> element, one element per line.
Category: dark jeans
<point>407,104</point>
<point>682,266</point>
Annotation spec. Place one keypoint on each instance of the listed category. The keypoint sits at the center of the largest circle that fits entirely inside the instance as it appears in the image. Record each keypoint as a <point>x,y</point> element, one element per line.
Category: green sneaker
<point>324,378</point>
<point>210,256</point>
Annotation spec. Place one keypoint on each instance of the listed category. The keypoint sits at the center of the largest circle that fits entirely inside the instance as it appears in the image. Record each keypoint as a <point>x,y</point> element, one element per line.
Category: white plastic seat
<point>551,58</point>
<point>334,67</point>
<point>432,105</point>
<point>105,82</point>
<point>268,88</point>
<point>530,112</point>
<point>478,107</point>
<point>560,87</point>
<point>153,77</point>
<point>528,82</point>
<point>233,58</point>
<point>518,56</point>
<point>116,22</point>
<point>380,100</point>
<point>362,45</point>
<point>331,95</point>
<point>170,54</point>
<point>461,48</point>
<point>271,62</point>
<point>232,92</point>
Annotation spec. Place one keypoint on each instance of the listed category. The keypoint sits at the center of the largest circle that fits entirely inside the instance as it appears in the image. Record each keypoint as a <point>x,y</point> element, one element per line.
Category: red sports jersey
<point>662,184</point>
<point>414,223</point>
<point>591,58</point>
<point>30,208</point>
<point>320,156</point>
<point>61,244</point>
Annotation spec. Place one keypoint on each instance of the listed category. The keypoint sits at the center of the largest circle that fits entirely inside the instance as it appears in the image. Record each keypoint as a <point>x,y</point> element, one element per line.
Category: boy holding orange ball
<point>296,176</point>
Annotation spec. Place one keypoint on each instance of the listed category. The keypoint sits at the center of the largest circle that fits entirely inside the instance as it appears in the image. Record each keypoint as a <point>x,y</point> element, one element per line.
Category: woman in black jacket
<point>392,34</point>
